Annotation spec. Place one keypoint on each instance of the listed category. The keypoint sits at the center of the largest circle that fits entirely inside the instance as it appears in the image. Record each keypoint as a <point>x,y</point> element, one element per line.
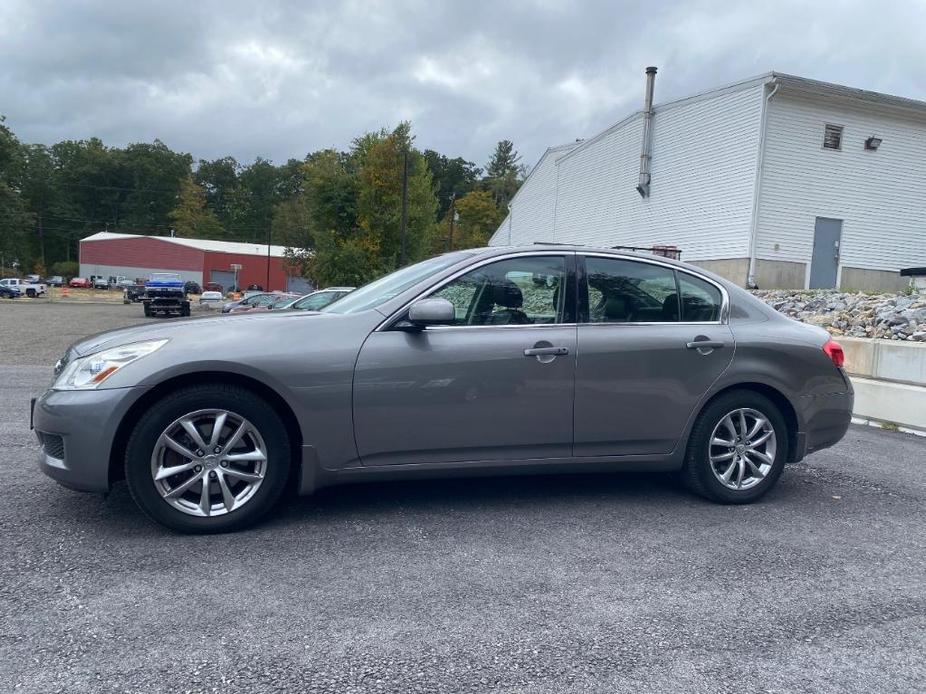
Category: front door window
<point>517,291</point>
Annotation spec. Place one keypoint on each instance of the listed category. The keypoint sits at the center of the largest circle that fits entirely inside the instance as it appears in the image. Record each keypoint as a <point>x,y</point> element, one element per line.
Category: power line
<point>118,225</point>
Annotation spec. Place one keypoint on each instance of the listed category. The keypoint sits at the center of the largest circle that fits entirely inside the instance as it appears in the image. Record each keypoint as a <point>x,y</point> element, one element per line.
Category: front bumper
<point>76,429</point>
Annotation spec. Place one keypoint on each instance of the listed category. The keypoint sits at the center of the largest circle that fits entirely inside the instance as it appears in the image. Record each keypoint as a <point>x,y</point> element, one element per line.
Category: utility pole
<point>269,231</point>
<point>453,214</point>
<point>404,202</point>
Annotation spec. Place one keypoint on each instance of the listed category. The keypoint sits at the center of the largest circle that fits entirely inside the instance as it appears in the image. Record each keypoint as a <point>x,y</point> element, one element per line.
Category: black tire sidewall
<point>697,462</point>
<point>160,415</point>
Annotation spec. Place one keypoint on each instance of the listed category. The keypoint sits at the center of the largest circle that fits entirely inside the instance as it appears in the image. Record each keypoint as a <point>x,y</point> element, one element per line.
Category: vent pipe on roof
<point>646,154</point>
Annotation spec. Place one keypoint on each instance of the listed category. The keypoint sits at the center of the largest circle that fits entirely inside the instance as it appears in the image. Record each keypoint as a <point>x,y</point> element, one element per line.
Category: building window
<point>832,137</point>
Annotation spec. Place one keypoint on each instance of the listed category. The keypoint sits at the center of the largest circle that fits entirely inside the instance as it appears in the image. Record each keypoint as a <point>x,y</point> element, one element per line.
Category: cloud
<point>280,79</point>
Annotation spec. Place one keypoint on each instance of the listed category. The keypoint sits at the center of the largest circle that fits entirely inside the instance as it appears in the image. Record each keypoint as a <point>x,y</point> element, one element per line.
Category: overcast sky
<point>280,79</point>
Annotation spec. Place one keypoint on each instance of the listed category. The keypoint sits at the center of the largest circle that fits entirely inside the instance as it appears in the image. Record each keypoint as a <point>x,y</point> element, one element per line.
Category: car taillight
<point>834,351</point>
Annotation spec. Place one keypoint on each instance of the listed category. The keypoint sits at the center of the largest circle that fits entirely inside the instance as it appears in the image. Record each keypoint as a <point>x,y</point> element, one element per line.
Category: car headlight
<point>89,372</point>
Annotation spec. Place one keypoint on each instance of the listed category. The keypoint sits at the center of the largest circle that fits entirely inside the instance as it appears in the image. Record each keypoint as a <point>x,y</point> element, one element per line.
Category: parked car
<point>246,301</point>
<point>99,282</point>
<point>280,301</point>
<point>252,302</point>
<point>55,281</point>
<point>9,292</point>
<point>211,298</point>
<point>461,364</point>
<point>133,293</point>
<point>316,301</point>
<point>30,289</point>
<point>79,283</point>
<point>192,287</point>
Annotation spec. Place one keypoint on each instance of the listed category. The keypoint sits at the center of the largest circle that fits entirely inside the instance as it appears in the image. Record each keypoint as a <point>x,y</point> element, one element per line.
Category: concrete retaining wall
<point>733,269</point>
<point>875,281</point>
<point>779,274</point>
<point>889,378</point>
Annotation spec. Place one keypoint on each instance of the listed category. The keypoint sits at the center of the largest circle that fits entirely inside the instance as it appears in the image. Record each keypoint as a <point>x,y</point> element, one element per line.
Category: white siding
<point>703,178</point>
<point>880,195</point>
<point>531,217</point>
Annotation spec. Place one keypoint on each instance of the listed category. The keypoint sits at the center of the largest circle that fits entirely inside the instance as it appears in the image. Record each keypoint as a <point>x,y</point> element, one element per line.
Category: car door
<point>651,339</point>
<point>495,384</point>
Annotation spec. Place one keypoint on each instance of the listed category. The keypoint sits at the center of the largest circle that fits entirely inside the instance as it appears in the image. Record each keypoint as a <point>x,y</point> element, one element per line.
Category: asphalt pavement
<point>586,583</point>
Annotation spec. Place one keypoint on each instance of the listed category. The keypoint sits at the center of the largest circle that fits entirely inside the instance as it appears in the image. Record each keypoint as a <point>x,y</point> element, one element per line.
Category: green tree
<point>503,173</point>
<point>15,218</point>
<point>150,176</point>
<point>219,181</point>
<point>453,178</point>
<point>66,268</point>
<point>191,218</point>
<point>340,253</point>
<point>379,204</point>
<point>253,205</point>
<point>479,217</point>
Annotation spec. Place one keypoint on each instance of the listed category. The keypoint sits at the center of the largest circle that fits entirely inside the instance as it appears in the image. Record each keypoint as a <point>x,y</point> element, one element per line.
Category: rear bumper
<point>826,419</point>
<point>76,430</point>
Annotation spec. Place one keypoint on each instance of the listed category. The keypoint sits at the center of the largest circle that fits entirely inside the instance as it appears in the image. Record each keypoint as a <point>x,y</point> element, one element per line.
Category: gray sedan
<point>547,358</point>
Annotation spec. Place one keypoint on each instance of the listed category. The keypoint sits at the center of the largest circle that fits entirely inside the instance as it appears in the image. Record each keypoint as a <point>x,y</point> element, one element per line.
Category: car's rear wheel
<point>209,458</point>
<point>737,449</point>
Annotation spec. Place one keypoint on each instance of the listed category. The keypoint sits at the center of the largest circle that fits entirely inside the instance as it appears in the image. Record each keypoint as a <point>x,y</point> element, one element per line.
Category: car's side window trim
<point>568,265</point>
<point>582,279</point>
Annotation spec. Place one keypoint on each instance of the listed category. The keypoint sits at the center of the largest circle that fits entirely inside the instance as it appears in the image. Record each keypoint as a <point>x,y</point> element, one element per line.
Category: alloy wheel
<point>742,448</point>
<point>209,462</point>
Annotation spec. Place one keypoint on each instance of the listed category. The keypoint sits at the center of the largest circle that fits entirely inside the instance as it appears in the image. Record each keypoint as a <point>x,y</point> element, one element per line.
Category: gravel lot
<point>542,584</point>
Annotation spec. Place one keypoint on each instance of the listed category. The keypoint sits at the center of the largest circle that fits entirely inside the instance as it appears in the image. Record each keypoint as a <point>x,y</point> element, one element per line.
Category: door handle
<point>542,351</point>
<point>704,344</point>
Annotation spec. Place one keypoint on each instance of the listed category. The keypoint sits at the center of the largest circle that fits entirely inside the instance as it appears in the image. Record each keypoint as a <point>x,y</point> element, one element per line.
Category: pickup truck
<point>31,289</point>
<point>165,294</point>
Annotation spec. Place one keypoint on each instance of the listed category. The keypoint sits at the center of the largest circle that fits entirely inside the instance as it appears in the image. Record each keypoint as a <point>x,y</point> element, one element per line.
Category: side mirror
<point>427,312</point>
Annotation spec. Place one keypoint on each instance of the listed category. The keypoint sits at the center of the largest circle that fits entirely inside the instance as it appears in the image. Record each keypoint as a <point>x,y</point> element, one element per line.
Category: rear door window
<point>629,291</point>
<point>701,301</point>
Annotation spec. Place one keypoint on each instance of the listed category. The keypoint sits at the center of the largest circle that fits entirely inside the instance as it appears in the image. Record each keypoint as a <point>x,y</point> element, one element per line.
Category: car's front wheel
<point>208,458</point>
<point>737,448</point>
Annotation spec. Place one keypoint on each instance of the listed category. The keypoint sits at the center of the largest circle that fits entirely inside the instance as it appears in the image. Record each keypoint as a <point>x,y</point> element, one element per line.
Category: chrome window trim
<point>724,308</point>
<point>396,315</point>
<point>725,297</point>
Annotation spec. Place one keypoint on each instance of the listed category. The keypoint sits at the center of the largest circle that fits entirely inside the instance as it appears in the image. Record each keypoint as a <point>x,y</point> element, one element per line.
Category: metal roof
<point>208,245</point>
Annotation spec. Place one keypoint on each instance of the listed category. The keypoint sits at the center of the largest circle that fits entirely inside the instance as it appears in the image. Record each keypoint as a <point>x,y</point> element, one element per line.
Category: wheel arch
<point>132,416</point>
<point>779,399</point>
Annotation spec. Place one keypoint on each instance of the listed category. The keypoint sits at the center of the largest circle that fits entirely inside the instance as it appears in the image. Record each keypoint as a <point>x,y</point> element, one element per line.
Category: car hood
<point>217,327</point>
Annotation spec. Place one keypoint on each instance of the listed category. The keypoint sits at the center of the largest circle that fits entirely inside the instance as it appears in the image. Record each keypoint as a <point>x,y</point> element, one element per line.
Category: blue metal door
<point>825,264</point>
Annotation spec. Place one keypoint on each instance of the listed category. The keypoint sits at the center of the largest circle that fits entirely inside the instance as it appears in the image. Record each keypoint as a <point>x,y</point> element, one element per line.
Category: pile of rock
<point>884,316</point>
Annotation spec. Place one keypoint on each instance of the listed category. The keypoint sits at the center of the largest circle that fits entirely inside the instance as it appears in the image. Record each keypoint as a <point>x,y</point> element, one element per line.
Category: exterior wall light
<point>873,142</point>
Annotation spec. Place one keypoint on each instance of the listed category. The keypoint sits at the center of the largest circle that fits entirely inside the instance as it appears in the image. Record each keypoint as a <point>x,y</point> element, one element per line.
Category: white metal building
<point>777,181</point>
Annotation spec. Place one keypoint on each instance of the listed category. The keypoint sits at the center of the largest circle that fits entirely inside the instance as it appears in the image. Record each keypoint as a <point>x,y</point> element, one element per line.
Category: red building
<point>200,260</point>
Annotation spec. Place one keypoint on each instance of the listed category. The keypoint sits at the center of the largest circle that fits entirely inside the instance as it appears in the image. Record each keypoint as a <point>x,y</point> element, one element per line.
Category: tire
<point>148,313</point>
<point>185,311</point>
<point>30,293</point>
<point>193,511</point>
<point>698,472</point>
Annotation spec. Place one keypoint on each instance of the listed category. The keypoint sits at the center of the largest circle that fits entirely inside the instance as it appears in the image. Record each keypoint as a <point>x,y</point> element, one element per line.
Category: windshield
<point>314,302</point>
<point>385,288</point>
